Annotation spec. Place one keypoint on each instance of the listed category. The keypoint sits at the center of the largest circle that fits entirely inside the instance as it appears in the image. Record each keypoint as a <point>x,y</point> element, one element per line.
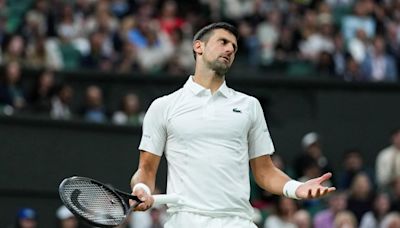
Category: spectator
<point>339,55</point>
<point>26,218</point>
<point>154,55</point>
<point>359,20</point>
<point>267,33</point>
<point>353,164</point>
<point>130,114</point>
<point>312,153</point>
<point>360,197</point>
<point>60,103</point>
<point>94,110</point>
<point>378,65</point>
<point>388,161</point>
<point>391,220</point>
<point>345,219</point>
<point>249,42</point>
<point>168,20</point>
<point>15,50</point>
<point>336,203</point>
<point>353,70</point>
<point>11,93</point>
<point>42,93</point>
<point>358,46</point>
<point>98,57</point>
<point>179,63</point>
<point>65,218</point>
<point>380,208</point>
<point>285,210</point>
<point>302,219</point>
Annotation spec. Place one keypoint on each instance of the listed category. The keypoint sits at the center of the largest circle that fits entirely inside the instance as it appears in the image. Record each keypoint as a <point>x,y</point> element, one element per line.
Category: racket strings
<point>95,202</point>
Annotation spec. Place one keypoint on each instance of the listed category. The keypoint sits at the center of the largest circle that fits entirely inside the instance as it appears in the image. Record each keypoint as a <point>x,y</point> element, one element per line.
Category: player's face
<point>219,51</point>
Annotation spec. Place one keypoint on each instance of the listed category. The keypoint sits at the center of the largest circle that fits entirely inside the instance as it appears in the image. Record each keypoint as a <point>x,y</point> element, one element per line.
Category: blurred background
<point>76,77</point>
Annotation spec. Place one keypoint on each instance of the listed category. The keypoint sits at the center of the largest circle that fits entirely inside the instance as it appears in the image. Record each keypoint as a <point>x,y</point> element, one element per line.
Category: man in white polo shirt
<point>209,134</point>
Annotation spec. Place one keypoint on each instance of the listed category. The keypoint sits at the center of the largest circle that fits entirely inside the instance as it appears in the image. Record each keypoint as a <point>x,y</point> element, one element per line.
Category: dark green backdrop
<point>36,154</point>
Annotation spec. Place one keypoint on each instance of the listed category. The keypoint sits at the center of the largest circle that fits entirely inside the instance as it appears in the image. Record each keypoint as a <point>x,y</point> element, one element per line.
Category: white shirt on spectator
<point>208,141</point>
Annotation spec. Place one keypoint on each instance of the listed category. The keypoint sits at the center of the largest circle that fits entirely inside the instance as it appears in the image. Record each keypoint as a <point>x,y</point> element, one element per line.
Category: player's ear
<point>198,47</point>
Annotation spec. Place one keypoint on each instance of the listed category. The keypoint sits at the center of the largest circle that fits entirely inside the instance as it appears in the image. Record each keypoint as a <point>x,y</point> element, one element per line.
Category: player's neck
<point>208,79</point>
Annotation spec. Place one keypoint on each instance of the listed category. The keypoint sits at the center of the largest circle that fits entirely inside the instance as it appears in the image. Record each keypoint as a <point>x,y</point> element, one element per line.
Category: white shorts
<point>193,220</point>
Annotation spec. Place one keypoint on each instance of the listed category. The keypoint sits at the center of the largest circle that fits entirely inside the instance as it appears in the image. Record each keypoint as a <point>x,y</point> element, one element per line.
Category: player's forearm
<point>267,176</point>
<point>273,180</point>
<point>145,177</point>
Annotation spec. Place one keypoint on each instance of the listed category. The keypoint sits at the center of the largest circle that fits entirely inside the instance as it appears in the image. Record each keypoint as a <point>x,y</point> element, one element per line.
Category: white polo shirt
<point>208,140</point>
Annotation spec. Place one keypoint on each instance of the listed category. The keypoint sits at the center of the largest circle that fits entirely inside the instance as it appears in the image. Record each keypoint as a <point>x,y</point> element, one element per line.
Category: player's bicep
<point>259,139</point>
<point>149,162</point>
<point>154,129</point>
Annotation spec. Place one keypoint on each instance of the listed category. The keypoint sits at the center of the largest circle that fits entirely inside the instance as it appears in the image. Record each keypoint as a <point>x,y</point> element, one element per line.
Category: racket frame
<point>122,196</point>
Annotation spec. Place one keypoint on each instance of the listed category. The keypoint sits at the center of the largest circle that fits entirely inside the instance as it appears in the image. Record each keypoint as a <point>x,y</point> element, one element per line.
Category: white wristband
<point>142,186</point>
<point>289,189</point>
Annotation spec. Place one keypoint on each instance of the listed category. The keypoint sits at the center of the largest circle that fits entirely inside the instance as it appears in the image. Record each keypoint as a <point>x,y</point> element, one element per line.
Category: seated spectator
<point>15,50</point>
<point>180,63</point>
<point>154,55</point>
<point>11,93</point>
<point>361,195</point>
<point>285,210</point>
<point>60,103</point>
<point>312,152</point>
<point>358,46</point>
<point>168,20</point>
<point>26,218</point>
<point>353,71</point>
<point>65,218</point>
<point>380,208</point>
<point>267,33</point>
<point>97,58</point>
<point>42,94</point>
<point>379,65</point>
<point>353,164</point>
<point>94,110</point>
<point>302,219</point>
<point>358,20</point>
<point>391,220</point>
<point>337,202</point>
<point>130,113</point>
<point>388,161</point>
<point>345,219</point>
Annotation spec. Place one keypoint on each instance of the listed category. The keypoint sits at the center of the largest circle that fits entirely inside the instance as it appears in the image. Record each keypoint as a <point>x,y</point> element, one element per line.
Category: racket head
<point>93,201</point>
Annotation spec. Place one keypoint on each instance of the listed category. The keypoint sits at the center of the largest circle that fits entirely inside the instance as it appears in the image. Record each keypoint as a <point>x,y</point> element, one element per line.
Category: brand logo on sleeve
<point>237,110</point>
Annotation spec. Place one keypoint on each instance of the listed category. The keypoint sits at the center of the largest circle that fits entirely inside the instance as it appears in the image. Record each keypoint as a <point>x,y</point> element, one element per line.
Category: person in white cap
<point>211,135</point>
<point>312,156</point>
<point>65,218</point>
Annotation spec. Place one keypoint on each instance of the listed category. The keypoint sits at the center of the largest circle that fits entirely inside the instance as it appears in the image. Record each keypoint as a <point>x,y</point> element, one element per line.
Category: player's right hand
<point>147,200</point>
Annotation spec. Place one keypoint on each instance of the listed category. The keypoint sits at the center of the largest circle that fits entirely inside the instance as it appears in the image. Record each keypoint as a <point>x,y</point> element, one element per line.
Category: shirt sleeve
<point>154,130</point>
<point>259,139</point>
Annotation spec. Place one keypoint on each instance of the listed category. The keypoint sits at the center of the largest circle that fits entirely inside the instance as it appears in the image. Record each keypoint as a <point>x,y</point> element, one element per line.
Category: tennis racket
<point>99,204</point>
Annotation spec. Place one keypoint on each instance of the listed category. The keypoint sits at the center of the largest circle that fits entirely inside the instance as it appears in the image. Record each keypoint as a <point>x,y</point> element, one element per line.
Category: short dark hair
<point>204,33</point>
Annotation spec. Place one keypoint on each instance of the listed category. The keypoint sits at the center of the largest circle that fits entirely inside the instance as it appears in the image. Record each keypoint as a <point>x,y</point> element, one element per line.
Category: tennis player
<point>210,134</point>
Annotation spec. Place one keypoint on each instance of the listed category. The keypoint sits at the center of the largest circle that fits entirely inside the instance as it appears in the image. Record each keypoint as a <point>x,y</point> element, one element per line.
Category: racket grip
<point>164,199</point>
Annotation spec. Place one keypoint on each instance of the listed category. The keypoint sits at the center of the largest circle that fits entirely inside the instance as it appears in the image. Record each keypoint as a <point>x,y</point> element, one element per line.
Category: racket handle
<point>164,199</point>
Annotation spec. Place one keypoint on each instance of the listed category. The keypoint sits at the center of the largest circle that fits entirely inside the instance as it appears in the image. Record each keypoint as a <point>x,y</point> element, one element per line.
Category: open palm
<point>313,188</point>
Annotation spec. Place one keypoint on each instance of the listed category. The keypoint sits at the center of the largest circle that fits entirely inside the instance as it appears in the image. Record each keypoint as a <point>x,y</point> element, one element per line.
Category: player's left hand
<point>313,188</point>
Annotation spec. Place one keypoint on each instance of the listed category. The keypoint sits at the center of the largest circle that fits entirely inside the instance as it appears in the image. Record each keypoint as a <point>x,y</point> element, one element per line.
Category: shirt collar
<point>198,89</point>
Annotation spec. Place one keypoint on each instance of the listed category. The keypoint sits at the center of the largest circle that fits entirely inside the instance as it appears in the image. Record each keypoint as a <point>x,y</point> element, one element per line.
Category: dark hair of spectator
<point>395,131</point>
<point>205,33</point>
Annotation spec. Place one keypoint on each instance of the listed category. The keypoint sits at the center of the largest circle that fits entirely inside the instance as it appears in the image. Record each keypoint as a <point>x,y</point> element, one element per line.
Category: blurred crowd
<point>349,40</point>
<point>352,40</point>
<point>365,197</point>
